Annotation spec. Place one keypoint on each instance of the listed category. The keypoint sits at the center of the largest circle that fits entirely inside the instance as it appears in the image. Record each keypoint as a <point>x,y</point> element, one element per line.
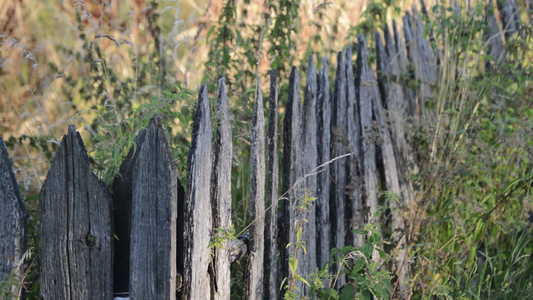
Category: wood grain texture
<point>198,226</point>
<point>153,250</point>
<point>339,145</point>
<point>310,163</point>
<point>122,199</point>
<point>76,236</point>
<point>254,269</point>
<point>221,193</point>
<point>392,163</point>
<point>291,172</point>
<point>365,84</point>
<point>13,218</point>
<point>324,179</point>
<point>272,186</point>
<point>354,206</point>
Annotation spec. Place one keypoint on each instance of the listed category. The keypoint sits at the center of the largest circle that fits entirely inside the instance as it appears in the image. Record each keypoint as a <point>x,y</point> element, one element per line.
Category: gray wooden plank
<point>365,85</point>
<point>494,38</point>
<point>221,193</point>
<point>310,157</point>
<point>153,245</point>
<point>404,71</point>
<point>354,203</point>
<point>424,64</point>
<point>198,226</point>
<point>291,172</point>
<point>339,166</point>
<point>272,185</point>
<point>76,236</point>
<point>13,218</point>
<point>254,268</point>
<point>510,17</point>
<point>393,97</point>
<point>393,146</point>
<point>324,182</point>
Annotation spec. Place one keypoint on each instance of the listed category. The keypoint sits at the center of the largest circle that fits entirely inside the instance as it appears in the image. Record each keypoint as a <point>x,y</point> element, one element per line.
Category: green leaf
<point>365,295</point>
<point>293,264</point>
<point>347,293</point>
<point>358,265</point>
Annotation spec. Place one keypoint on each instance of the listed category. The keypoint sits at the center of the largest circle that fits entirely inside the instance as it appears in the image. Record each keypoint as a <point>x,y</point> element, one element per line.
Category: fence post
<point>76,235</point>
<point>324,181</point>
<point>510,16</point>
<point>310,163</point>
<point>221,194</point>
<point>364,83</point>
<point>291,171</point>
<point>494,38</point>
<point>153,250</point>
<point>254,268</point>
<point>423,60</point>
<point>272,184</point>
<point>12,226</point>
<point>338,148</point>
<point>403,62</point>
<point>198,226</point>
<point>389,166</point>
<point>355,212</point>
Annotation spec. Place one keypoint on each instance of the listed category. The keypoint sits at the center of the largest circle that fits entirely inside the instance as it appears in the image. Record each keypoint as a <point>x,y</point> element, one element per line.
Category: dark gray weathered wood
<point>354,205</point>
<point>365,85</point>
<point>272,185</point>
<point>390,162</point>
<point>12,224</point>
<point>198,226</point>
<point>324,181</point>
<point>221,194</point>
<point>310,163</point>
<point>291,172</point>
<point>338,148</point>
<point>154,214</point>
<point>510,17</point>
<point>254,268</point>
<point>76,236</point>
<point>494,37</point>
<point>392,94</point>
<point>403,70</point>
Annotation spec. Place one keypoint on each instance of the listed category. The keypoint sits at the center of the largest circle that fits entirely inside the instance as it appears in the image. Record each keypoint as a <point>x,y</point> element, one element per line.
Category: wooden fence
<point>145,238</point>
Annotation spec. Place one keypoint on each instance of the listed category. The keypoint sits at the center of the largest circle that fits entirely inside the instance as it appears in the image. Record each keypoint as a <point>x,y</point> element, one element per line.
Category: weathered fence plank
<point>12,225</point>
<point>338,148</point>
<point>423,61</point>
<point>510,16</point>
<point>364,84</point>
<point>389,166</point>
<point>324,180</point>
<point>153,219</point>
<point>291,187</point>
<point>221,194</point>
<point>403,70</point>
<point>196,281</point>
<point>272,185</point>
<point>254,268</point>
<point>393,97</point>
<point>76,236</point>
<point>310,157</point>
<point>354,205</point>
<point>494,38</point>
